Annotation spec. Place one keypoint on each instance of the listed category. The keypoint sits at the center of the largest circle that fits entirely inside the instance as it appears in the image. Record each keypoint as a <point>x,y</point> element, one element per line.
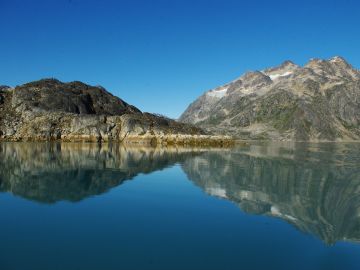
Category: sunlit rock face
<point>317,102</point>
<point>314,187</point>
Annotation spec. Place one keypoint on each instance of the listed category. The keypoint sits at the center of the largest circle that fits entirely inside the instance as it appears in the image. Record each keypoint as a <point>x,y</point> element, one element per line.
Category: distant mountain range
<point>317,102</point>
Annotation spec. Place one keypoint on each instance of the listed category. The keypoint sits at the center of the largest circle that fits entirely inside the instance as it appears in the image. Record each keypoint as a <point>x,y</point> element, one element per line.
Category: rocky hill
<point>52,110</point>
<point>317,102</point>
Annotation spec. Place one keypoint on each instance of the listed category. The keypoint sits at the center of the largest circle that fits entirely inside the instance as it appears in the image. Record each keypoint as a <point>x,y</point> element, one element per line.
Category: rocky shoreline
<point>141,140</point>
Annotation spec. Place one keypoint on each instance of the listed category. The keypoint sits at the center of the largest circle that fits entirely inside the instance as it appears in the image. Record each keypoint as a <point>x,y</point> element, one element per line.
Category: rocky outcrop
<point>52,110</point>
<point>317,102</point>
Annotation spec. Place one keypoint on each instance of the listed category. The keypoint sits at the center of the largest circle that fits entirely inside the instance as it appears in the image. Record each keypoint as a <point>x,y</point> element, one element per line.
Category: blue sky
<point>159,55</point>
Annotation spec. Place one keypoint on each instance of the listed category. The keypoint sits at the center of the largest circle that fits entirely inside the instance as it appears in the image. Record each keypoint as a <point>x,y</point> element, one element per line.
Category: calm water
<point>265,206</point>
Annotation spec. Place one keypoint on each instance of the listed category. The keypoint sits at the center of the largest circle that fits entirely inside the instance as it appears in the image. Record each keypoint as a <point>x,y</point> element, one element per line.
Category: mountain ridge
<point>319,101</point>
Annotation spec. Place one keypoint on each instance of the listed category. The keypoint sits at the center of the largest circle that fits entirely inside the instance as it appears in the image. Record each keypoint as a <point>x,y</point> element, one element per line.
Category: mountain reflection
<point>315,187</point>
<point>53,172</point>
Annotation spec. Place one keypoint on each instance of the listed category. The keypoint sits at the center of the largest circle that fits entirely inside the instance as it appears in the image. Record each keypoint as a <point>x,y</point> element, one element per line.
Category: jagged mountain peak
<point>250,75</point>
<point>335,67</point>
<point>315,61</point>
<point>341,63</point>
<point>338,59</point>
<point>318,101</point>
<point>288,63</point>
<point>284,70</point>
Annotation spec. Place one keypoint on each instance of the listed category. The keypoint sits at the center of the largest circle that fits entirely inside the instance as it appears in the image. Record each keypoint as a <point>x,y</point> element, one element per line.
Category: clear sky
<point>160,55</point>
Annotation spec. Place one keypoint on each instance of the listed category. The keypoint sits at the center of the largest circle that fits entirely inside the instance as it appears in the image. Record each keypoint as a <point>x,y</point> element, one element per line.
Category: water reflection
<point>53,172</point>
<point>314,187</point>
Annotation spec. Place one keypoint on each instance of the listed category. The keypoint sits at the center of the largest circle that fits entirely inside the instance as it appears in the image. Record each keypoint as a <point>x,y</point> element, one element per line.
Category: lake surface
<point>262,206</point>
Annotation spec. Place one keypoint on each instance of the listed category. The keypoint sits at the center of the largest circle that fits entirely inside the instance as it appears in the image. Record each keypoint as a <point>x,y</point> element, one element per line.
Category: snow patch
<point>218,93</point>
<point>335,59</point>
<point>276,76</point>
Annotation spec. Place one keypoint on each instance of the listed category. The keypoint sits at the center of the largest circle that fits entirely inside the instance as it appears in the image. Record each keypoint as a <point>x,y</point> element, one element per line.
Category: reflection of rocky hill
<point>315,188</point>
<point>53,172</point>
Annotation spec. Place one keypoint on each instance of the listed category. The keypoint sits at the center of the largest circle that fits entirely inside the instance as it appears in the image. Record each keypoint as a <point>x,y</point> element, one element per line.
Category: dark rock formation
<point>74,97</point>
<point>51,110</point>
<point>317,102</point>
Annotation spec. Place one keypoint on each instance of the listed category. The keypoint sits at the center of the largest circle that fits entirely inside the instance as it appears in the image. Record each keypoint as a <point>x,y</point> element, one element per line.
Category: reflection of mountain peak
<point>315,188</point>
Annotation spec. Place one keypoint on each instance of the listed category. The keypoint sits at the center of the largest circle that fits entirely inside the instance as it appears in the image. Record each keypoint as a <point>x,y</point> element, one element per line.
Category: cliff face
<point>49,110</point>
<point>320,101</point>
